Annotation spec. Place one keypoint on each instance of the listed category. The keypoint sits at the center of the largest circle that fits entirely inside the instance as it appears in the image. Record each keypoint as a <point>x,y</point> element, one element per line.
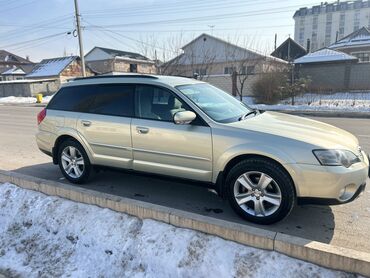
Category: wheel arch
<point>62,138</point>
<point>221,177</point>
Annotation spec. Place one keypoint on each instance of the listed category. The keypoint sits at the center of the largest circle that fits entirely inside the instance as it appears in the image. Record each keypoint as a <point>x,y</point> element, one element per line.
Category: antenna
<point>212,27</point>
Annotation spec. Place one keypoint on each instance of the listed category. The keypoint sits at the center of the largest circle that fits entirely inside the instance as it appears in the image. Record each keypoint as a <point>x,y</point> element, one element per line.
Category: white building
<point>326,23</point>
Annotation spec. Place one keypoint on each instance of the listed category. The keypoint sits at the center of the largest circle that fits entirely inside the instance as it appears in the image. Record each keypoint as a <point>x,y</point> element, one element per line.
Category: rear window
<point>105,99</point>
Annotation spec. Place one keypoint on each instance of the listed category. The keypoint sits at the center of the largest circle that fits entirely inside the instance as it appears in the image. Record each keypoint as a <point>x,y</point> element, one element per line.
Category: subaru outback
<point>262,162</point>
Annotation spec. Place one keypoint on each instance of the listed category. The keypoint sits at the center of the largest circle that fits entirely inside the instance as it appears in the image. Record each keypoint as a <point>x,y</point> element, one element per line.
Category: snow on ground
<point>22,100</point>
<point>348,102</point>
<point>43,236</point>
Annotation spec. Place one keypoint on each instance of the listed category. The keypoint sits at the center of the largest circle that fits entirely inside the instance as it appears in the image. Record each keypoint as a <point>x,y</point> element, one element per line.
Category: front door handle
<point>86,123</point>
<point>142,130</point>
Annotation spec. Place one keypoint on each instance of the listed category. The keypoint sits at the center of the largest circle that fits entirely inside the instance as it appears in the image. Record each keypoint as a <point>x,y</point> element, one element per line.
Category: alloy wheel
<point>73,162</point>
<point>257,194</point>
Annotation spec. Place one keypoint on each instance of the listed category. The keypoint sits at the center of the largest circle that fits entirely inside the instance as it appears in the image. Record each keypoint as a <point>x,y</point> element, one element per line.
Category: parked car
<point>262,162</point>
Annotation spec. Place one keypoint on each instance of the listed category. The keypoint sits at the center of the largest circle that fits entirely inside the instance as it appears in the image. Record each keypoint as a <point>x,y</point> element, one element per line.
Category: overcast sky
<point>38,28</point>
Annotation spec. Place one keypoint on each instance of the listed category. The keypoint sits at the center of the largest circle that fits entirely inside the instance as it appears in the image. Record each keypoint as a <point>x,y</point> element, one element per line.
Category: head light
<point>336,157</point>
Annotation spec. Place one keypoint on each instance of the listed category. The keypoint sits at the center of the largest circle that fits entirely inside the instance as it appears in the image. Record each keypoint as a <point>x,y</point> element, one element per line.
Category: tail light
<point>41,116</point>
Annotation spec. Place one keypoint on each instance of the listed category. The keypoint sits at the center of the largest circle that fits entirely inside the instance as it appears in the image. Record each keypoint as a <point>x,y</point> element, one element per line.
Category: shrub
<point>267,88</point>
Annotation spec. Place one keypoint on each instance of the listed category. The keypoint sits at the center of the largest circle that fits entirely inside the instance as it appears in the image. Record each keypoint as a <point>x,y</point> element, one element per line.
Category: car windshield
<point>217,104</point>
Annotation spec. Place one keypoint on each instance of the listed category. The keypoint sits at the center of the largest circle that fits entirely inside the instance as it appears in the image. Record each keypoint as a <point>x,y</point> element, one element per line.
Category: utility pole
<point>77,12</point>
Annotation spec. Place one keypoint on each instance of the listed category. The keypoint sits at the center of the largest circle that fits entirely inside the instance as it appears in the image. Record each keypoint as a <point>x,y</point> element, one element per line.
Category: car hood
<point>298,128</point>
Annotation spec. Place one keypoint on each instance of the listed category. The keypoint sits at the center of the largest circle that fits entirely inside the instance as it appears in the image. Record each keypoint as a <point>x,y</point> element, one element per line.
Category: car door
<point>163,147</point>
<point>105,123</point>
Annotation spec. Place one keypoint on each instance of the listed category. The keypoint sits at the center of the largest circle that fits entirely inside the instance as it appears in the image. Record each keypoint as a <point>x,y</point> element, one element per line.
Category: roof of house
<point>51,67</point>
<point>14,71</point>
<point>221,51</point>
<point>325,55</point>
<point>120,53</point>
<point>6,56</point>
<point>296,50</point>
<point>360,37</point>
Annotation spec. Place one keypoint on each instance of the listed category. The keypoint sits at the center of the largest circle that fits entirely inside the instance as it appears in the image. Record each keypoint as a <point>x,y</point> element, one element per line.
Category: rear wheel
<point>260,191</point>
<point>74,162</point>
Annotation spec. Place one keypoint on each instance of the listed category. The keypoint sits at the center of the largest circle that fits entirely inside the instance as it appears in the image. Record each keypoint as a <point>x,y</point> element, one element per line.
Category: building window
<point>329,22</point>
<point>315,22</point>
<point>342,21</point>
<point>249,70</point>
<point>341,32</point>
<point>133,67</point>
<point>229,70</point>
<point>357,21</point>
<point>363,57</point>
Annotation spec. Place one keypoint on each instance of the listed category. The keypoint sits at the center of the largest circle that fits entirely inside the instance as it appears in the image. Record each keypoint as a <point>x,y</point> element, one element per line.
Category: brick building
<point>104,60</point>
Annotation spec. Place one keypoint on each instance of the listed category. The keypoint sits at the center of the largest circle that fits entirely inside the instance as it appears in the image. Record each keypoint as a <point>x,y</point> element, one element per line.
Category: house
<point>355,44</point>
<point>13,67</point>
<point>61,69</point>
<point>215,60</point>
<point>46,77</point>
<point>333,70</point>
<point>289,50</point>
<point>104,60</point>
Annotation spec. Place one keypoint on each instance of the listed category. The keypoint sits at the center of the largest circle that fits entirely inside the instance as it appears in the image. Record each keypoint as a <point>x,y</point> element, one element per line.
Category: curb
<point>322,254</point>
<point>328,114</point>
<point>24,104</point>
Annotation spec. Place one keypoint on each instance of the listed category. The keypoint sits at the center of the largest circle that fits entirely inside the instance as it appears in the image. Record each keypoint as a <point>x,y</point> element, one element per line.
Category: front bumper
<point>330,202</point>
<point>329,185</point>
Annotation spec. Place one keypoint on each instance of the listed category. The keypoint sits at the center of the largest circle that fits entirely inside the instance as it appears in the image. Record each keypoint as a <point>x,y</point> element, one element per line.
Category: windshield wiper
<point>247,114</point>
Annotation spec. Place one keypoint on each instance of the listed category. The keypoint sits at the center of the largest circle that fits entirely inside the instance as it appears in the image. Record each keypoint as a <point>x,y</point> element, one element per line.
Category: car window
<point>217,104</point>
<point>157,103</point>
<point>109,99</point>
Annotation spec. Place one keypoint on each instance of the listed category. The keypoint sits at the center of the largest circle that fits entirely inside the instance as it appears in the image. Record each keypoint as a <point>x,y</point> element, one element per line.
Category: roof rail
<point>115,76</point>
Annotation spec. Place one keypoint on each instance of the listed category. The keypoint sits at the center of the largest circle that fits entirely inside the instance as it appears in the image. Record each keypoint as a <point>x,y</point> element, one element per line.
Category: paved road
<point>345,225</point>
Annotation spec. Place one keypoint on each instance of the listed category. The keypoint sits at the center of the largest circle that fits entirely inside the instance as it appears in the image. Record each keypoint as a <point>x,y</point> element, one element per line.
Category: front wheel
<point>260,191</point>
<point>74,162</point>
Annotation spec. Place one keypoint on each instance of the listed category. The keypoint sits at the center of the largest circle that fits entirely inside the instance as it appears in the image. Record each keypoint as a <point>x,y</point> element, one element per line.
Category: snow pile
<point>23,100</point>
<point>348,102</point>
<point>42,236</point>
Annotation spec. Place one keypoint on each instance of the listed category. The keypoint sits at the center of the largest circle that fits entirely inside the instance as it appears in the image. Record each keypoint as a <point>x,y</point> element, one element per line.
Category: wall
<point>27,89</point>
<point>101,66</point>
<point>74,70</point>
<point>337,77</point>
<point>224,82</point>
<point>105,66</point>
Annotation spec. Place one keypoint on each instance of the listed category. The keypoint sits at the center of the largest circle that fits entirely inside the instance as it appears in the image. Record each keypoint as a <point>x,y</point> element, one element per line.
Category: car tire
<point>74,162</point>
<point>260,191</point>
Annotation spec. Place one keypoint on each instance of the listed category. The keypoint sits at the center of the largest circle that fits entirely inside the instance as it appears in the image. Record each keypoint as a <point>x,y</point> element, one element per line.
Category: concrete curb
<point>319,253</point>
<point>328,114</point>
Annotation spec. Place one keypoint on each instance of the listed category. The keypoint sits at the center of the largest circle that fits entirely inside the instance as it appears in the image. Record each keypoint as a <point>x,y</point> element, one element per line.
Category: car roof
<point>172,81</point>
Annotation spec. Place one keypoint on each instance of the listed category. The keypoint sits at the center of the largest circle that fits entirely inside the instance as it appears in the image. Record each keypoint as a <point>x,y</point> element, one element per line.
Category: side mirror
<point>184,117</point>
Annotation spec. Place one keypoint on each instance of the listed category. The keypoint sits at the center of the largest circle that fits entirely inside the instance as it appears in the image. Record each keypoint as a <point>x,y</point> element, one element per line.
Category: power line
<point>188,30</point>
<point>210,17</point>
<point>181,10</point>
<point>17,6</point>
<point>41,38</point>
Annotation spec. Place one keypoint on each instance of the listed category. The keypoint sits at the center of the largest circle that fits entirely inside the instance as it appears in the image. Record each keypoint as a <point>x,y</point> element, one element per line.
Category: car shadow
<point>310,222</point>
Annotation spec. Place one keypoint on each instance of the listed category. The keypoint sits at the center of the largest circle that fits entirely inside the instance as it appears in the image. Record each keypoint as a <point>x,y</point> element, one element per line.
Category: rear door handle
<point>142,130</point>
<point>86,123</point>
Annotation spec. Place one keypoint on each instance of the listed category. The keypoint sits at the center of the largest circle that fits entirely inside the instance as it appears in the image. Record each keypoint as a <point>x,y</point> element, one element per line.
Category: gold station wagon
<point>262,162</point>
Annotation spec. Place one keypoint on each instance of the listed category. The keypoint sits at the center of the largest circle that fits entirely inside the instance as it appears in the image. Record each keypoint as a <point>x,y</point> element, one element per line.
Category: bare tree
<point>193,60</point>
<point>242,64</point>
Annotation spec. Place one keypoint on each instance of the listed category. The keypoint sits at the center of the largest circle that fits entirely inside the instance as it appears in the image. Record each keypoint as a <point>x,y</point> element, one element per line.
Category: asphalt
<point>345,225</point>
